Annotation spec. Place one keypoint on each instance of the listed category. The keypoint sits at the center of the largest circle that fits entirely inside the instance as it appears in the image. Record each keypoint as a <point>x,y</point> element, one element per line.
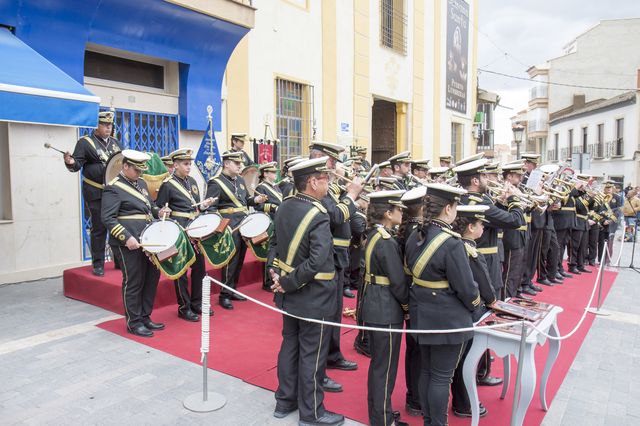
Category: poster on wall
<point>457,55</point>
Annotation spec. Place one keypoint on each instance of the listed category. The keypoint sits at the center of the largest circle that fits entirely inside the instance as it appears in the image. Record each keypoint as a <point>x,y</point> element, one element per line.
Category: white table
<point>506,344</point>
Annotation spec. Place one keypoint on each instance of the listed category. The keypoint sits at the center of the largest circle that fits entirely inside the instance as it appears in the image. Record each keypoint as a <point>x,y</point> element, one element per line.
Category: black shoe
<point>343,364</point>
<point>535,287</point>
<point>226,303</point>
<point>98,271</point>
<point>188,315</point>
<point>267,288</point>
<point>348,293</point>
<point>281,413</point>
<point>140,330</point>
<point>465,413</point>
<point>413,410</point>
<point>545,282</point>
<point>330,385</point>
<point>529,291</point>
<point>329,419</point>
<point>584,270</point>
<point>559,277</point>
<point>520,295</point>
<point>489,381</point>
<point>565,274</point>
<point>237,297</point>
<point>362,349</point>
<point>153,325</point>
<point>199,311</point>
<point>574,270</point>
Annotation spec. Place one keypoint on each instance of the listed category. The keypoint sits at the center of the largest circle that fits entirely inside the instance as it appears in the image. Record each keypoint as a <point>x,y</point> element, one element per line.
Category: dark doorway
<point>383,130</point>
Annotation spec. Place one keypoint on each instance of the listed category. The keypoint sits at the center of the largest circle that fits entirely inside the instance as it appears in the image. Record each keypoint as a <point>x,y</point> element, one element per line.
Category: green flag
<point>154,175</point>
<point>177,265</point>
<point>218,249</point>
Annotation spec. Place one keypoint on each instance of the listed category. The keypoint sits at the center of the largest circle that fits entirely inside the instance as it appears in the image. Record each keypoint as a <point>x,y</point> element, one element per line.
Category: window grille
<point>393,25</point>
<point>142,131</point>
<point>294,117</point>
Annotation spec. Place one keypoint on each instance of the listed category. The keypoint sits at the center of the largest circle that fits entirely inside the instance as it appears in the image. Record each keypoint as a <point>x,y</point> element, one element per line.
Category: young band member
<point>469,224</point>
<point>90,155</point>
<point>580,233</point>
<point>286,183</point>
<point>443,296</point>
<point>362,153</point>
<point>126,211</point>
<point>303,273</point>
<point>385,302</point>
<point>268,187</point>
<point>401,166</point>
<point>231,197</point>
<point>180,192</point>
<point>237,146</point>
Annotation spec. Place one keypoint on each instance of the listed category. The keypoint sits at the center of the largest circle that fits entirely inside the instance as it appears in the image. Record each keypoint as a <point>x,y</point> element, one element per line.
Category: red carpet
<point>105,292</point>
<point>245,343</point>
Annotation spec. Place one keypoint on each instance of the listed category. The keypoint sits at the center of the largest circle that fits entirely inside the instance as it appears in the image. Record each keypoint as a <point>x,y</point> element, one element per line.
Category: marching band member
<point>353,272</point>
<point>438,174</point>
<point>564,221</point>
<point>580,233</point>
<point>401,166</point>
<point>126,211</point>
<point>168,163</point>
<point>420,169</point>
<point>385,302</point>
<point>237,146</point>
<point>443,296</point>
<point>340,209</point>
<point>385,169</point>
<point>286,183</point>
<point>303,273</point>
<point>180,192</point>
<point>90,155</point>
<point>612,206</point>
<point>362,152</point>
<point>268,188</point>
<point>445,161</point>
<point>231,201</point>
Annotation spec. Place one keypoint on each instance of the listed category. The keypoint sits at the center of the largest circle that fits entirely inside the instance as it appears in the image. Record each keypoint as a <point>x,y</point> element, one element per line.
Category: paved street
<point>58,368</point>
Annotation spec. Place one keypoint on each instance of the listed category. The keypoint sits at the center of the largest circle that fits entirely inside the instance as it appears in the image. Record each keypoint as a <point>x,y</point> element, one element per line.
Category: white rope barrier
<point>206,307</point>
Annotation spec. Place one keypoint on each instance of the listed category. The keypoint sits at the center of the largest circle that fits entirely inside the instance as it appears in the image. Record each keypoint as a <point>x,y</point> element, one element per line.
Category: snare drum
<point>160,238</point>
<point>205,225</point>
<point>257,229</point>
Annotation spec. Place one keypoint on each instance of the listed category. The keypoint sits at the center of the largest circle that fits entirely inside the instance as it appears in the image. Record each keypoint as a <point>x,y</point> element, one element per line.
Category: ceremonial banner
<point>208,156</point>
<point>265,153</point>
<point>218,249</point>
<point>457,55</point>
<point>177,265</point>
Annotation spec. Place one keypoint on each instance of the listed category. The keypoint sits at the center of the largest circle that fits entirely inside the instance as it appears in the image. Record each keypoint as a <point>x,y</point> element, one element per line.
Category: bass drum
<point>197,175</point>
<point>251,176</point>
<point>113,167</point>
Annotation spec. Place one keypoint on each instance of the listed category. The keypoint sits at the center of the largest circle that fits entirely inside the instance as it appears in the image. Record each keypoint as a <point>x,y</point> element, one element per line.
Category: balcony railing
<point>552,155</point>
<point>564,153</point>
<point>596,150</point>
<point>615,148</point>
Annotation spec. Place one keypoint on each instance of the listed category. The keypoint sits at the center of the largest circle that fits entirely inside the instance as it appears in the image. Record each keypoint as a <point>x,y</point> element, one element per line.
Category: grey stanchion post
<point>597,310</point>
<point>206,401</point>
<point>516,393</point>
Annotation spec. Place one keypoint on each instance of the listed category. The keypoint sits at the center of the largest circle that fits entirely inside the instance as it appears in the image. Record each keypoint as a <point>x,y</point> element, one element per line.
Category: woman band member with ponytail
<point>443,296</point>
<point>385,302</point>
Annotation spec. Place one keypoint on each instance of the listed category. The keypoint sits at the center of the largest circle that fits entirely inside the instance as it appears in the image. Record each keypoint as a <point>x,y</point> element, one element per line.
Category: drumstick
<point>202,202</point>
<point>48,145</point>
<point>195,227</point>
<point>164,215</point>
<point>244,222</point>
<point>152,245</point>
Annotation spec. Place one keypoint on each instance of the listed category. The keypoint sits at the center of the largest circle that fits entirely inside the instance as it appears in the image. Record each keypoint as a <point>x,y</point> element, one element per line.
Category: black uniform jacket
<point>287,187</point>
<point>583,204</point>
<point>451,305</point>
<point>302,254</point>
<point>126,211</point>
<point>478,265</point>
<point>180,194</point>
<point>91,154</point>
<point>245,157</point>
<point>232,197</point>
<point>385,297</point>
<point>340,210</point>
<point>274,198</point>
<point>565,217</point>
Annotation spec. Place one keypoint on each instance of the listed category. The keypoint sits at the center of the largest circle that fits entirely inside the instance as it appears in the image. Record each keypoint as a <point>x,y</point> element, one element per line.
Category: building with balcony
<point>484,122</point>
<point>537,111</point>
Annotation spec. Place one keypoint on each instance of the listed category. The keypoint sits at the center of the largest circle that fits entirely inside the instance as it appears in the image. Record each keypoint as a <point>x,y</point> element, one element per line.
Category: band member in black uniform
<point>180,192</point>
<point>438,174</point>
<point>420,169</point>
<point>514,240</point>
<point>401,166</point>
<point>268,187</point>
<point>353,273</point>
<point>580,233</point>
<point>412,218</point>
<point>595,226</point>
<point>385,169</point>
<point>237,146</point>
<point>168,163</point>
<point>231,201</point>
<point>126,211</point>
<point>469,224</point>
<point>362,153</point>
<point>286,183</point>
<point>303,273</point>
<point>547,266</point>
<point>385,302</point>
<point>443,296</point>
<point>91,154</point>
<point>356,165</point>
<point>611,212</point>
<point>445,161</point>
<point>340,209</point>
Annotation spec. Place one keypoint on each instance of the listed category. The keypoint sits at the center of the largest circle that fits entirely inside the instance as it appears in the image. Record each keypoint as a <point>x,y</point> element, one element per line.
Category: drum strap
<point>101,154</point>
<point>92,183</point>
<point>182,190</point>
<point>132,191</point>
<point>230,194</point>
<point>297,237</point>
<point>272,191</point>
<point>428,252</point>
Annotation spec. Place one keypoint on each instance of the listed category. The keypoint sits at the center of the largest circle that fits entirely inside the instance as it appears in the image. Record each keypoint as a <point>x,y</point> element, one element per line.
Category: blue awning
<point>33,90</point>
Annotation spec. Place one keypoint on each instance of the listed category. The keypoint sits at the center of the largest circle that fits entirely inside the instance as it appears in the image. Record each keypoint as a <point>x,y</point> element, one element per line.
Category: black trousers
<point>362,339</point>
<point>98,236</point>
<point>191,301</point>
<point>512,270</point>
<point>459,398</point>
<point>605,238</point>
<point>231,272</point>
<point>412,369</point>
<point>579,243</point>
<point>438,362</point>
<point>564,243</point>
<point>494,266</point>
<point>301,367</point>
<point>383,369</point>
<point>532,256</point>
<point>594,234</point>
<point>335,354</point>
<point>353,274</point>
<point>139,283</point>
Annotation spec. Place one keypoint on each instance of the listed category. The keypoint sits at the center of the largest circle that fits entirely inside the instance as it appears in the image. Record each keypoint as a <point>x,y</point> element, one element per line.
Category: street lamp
<point>518,130</point>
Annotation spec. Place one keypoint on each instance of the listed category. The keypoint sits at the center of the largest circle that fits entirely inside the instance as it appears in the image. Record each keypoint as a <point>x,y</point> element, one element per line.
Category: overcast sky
<point>531,32</point>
